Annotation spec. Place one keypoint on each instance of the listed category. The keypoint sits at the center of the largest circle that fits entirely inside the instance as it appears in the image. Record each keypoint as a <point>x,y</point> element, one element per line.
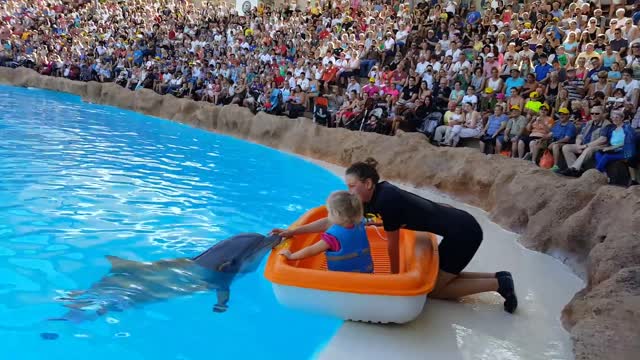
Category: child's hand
<point>286,253</point>
<point>286,233</point>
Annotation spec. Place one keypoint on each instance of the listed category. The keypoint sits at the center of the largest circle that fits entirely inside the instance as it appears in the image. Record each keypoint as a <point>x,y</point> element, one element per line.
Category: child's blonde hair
<point>344,208</point>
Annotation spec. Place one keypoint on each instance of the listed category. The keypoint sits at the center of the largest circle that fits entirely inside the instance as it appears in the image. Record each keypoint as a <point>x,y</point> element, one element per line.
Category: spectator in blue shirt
<point>496,124</point>
<point>563,132</point>
<point>542,71</point>
<point>621,141</point>
<point>596,67</point>
<point>515,81</point>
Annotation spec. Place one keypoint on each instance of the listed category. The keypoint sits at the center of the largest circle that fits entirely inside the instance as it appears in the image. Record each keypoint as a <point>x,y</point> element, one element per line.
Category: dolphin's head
<point>239,254</point>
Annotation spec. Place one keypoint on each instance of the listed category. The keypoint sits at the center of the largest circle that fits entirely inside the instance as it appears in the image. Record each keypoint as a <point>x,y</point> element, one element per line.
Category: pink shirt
<point>332,241</point>
<point>371,90</point>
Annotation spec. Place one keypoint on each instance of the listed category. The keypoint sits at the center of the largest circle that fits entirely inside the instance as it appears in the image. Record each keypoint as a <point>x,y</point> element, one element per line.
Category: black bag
<point>618,173</point>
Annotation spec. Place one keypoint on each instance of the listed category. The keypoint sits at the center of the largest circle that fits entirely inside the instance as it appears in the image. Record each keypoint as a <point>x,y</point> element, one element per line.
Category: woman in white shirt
<point>629,85</point>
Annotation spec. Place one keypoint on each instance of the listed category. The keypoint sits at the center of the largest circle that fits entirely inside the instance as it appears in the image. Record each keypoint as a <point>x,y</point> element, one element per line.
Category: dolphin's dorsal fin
<point>118,263</point>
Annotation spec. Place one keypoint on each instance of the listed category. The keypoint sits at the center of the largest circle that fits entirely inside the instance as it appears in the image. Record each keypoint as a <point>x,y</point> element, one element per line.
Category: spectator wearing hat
<point>489,65</point>
<point>515,130</point>
<point>496,123</point>
<point>538,129</point>
<point>543,69</point>
<point>588,142</point>
<point>563,132</point>
<point>487,100</point>
<point>535,58</point>
<point>371,89</point>
<point>535,102</point>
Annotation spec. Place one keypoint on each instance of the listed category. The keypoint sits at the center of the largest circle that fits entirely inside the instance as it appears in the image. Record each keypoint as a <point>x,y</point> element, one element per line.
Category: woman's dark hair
<point>365,170</point>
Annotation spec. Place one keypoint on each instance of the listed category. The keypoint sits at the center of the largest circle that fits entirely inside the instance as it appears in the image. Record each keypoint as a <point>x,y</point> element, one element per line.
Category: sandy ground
<point>476,327</point>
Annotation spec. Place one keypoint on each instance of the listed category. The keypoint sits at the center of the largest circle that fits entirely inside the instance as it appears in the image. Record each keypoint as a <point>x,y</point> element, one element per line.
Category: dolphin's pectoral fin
<point>118,263</point>
<point>218,308</point>
<point>78,315</point>
<point>223,298</point>
<point>79,304</point>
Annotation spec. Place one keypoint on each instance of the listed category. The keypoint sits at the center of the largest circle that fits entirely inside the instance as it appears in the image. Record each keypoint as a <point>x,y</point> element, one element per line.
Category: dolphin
<point>131,284</point>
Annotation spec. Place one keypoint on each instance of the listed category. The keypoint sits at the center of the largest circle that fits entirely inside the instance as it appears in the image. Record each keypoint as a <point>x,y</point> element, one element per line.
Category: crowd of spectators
<point>555,82</point>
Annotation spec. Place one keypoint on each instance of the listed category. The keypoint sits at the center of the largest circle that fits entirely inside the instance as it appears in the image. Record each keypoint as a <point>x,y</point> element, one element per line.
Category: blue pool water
<point>79,182</point>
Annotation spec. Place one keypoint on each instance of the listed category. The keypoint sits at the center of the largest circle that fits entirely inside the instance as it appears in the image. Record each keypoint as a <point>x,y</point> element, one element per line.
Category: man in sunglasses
<point>588,142</point>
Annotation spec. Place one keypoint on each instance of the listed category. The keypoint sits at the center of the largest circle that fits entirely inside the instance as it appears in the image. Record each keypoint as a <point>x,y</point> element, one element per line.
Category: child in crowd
<point>345,242</point>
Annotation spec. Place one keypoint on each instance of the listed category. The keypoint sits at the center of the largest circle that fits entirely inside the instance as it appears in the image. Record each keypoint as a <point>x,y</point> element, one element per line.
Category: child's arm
<point>320,225</point>
<point>308,251</point>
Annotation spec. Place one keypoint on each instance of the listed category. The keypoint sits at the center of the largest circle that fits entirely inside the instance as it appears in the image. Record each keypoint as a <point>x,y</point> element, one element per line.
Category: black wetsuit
<point>460,231</point>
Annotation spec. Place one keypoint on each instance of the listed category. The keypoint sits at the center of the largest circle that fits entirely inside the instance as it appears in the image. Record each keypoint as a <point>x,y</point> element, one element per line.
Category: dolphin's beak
<point>274,240</point>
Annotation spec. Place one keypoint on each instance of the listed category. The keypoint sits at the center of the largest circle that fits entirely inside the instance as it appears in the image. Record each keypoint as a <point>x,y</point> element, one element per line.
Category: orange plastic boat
<point>379,297</point>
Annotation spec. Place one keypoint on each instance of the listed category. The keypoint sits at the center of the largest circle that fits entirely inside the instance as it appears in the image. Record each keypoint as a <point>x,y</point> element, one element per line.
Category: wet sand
<point>475,327</point>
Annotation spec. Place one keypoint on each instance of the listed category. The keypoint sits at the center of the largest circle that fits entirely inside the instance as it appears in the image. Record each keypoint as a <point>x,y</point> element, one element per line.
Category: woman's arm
<point>393,247</point>
<point>473,123</point>
<point>611,148</point>
<point>602,140</point>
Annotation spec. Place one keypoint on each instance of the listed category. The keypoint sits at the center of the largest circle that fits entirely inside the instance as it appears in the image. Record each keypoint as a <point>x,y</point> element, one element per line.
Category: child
<point>345,242</point>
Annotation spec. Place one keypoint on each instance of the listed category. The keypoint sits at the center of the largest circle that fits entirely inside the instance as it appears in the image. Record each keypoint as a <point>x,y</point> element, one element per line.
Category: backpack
<point>321,111</point>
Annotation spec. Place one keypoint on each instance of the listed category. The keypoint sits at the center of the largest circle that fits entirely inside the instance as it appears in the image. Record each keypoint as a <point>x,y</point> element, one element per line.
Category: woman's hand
<point>286,253</point>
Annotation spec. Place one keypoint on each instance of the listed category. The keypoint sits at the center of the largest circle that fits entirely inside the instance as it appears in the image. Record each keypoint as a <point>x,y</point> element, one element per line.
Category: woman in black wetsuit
<point>461,234</point>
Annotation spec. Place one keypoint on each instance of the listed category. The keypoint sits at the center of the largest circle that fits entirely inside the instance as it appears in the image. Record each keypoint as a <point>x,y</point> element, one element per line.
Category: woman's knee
<point>444,278</point>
